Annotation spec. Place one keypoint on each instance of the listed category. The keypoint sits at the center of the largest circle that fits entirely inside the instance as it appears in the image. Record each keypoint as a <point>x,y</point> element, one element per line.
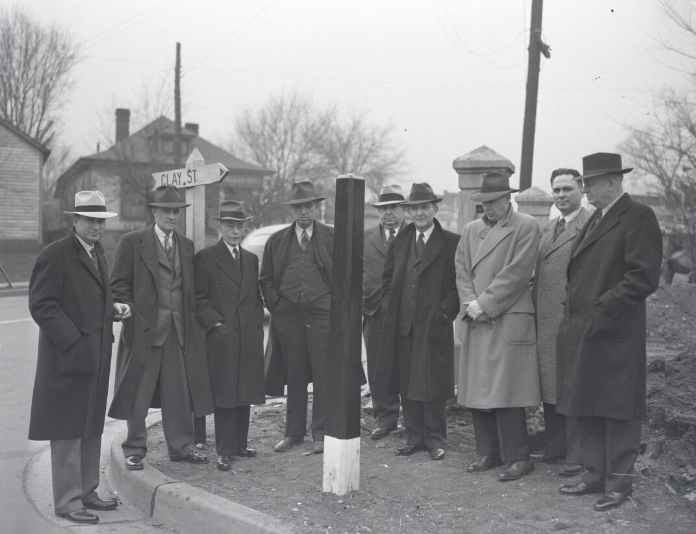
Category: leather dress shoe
<point>437,453</point>
<point>286,444</point>
<point>246,452</point>
<point>318,447</point>
<point>81,516</point>
<point>134,462</point>
<point>408,450</point>
<point>517,470</point>
<point>224,463</point>
<point>570,470</point>
<point>194,457</point>
<point>580,489</point>
<point>100,504</point>
<point>611,499</point>
<point>381,432</point>
<point>484,463</point>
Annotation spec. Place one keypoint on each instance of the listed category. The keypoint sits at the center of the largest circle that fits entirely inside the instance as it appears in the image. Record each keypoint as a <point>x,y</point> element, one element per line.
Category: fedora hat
<point>302,192</point>
<point>91,204</point>
<point>232,210</point>
<point>389,194</point>
<point>420,194</point>
<point>167,196</point>
<point>601,164</point>
<point>494,185</point>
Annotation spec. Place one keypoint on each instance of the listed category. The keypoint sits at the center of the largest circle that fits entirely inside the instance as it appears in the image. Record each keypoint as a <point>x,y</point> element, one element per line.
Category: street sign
<point>191,176</point>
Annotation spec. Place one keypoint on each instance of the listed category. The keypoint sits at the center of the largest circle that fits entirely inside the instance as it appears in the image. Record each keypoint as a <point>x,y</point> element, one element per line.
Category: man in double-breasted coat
<point>498,371</point>
<point>614,266</point>
<point>375,245</point>
<point>230,310</point>
<point>70,300</point>
<point>161,353</point>
<point>296,286</point>
<point>548,293</point>
<point>419,296</point>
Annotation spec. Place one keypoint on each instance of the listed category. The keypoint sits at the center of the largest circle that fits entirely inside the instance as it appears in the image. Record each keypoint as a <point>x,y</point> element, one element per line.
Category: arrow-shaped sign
<point>191,176</point>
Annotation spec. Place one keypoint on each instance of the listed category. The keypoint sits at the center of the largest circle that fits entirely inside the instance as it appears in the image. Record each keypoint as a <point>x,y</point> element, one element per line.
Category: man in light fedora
<point>498,371</point>
<point>419,296</point>
<point>296,286</point>
<point>70,300</point>
<point>376,243</point>
<point>161,353</point>
<point>230,310</point>
<point>614,266</point>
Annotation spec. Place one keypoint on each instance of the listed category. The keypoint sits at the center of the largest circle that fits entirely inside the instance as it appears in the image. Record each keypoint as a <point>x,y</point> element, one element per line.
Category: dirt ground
<point>417,495</point>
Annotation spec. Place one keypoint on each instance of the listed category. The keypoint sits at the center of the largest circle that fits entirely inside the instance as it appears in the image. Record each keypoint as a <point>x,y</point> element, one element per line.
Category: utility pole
<point>536,47</point>
<point>177,107</point>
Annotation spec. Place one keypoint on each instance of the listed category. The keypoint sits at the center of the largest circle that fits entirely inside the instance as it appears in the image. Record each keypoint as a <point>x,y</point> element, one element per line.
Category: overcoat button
<point>236,328</point>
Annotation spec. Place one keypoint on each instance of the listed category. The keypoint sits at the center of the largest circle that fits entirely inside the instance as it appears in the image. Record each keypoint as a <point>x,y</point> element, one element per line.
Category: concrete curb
<point>181,506</point>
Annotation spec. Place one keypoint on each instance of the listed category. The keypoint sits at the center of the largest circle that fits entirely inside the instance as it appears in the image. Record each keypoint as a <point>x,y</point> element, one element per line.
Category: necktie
<point>392,235</point>
<point>235,256</point>
<point>595,221</point>
<point>560,228</point>
<point>304,240</point>
<point>95,261</point>
<point>420,244</point>
<point>167,245</point>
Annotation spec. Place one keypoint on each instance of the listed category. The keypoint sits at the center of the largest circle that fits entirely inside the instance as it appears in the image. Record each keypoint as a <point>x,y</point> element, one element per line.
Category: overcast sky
<point>449,74</point>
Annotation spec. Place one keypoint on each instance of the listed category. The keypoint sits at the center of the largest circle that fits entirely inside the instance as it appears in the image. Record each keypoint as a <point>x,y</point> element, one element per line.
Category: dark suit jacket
<point>72,305</point>
<point>437,305</point>
<point>272,268</point>
<point>134,282</point>
<point>374,256</point>
<point>601,339</point>
<point>229,295</point>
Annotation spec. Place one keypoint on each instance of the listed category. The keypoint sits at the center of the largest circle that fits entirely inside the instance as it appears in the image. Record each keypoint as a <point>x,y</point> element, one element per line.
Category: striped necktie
<point>95,261</point>
<point>304,240</point>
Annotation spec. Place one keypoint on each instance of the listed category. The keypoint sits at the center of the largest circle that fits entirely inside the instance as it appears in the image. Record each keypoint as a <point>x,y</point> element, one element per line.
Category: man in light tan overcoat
<point>498,370</point>
<point>557,239</point>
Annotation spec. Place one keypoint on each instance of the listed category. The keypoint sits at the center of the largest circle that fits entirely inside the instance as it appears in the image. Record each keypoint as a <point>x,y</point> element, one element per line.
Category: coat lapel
<point>491,239</point>
<point>248,276</point>
<point>87,261</point>
<point>148,251</point>
<point>401,249</point>
<point>432,248</point>
<point>377,242</point>
<point>281,256</point>
<point>226,262</point>
<point>607,222</point>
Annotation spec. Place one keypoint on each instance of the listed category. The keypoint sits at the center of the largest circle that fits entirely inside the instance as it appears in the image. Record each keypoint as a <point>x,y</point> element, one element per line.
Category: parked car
<point>255,241</point>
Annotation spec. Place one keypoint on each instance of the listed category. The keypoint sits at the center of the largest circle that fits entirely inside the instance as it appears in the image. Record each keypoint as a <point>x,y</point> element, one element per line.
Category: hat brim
<point>486,197</point>
<point>302,201</point>
<point>93,214</point>
<point>602,173</point>
<point>250,217</point>
<point>170,205</point>
<point>416,202</point>
<point>388,203</point>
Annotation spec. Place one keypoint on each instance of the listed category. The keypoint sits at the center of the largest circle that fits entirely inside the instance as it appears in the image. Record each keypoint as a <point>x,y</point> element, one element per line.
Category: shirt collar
<point>231,248</point>
<point>426,234</point>
<point>387,230</point>
<point>160,234</point>
<point>84,243</point>
<point>571,216</point>
<point>606,208</point>
<point>298,231</point>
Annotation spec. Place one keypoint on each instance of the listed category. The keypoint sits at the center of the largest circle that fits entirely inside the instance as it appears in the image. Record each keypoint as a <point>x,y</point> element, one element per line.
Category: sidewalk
<point>149,501</point>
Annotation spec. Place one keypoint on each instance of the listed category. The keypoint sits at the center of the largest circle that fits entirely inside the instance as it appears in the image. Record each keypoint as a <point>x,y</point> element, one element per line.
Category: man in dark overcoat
<point>375,245</point>
<point>419,296</point>
<point>70,300</point>
<point>296,286</point>
<point>548,293</point>
<point>161,353</point>
<point>230,310</point>
<point>614,266</point>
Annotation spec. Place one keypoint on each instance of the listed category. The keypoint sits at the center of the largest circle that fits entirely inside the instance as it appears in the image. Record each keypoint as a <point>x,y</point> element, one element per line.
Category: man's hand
<point>474,310</point>
<point>121,311</point>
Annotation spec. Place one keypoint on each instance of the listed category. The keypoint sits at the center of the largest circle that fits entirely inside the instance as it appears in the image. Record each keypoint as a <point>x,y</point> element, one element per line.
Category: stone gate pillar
<point>471,167</point>
<point>535,202</point>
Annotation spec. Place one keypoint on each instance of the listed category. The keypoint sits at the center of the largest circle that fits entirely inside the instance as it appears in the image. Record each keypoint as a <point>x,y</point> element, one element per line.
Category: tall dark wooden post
<point>342,441</point>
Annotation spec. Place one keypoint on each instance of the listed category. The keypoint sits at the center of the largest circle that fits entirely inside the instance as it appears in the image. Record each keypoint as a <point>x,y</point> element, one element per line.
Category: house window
<point>132,204</point>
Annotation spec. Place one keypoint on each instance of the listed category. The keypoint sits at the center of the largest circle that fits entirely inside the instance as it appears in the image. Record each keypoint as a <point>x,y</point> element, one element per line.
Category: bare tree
<point>663,149</point>
<point>283,135</point>
<point>301,141</point>
<point>35,66</point>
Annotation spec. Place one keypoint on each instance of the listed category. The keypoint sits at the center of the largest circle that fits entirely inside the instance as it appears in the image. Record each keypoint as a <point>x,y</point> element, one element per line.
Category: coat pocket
<point>519,328</point>
<point>605,326</point>
<point>439,327</point>
<point>76,360</point>
<point>128,331</point>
